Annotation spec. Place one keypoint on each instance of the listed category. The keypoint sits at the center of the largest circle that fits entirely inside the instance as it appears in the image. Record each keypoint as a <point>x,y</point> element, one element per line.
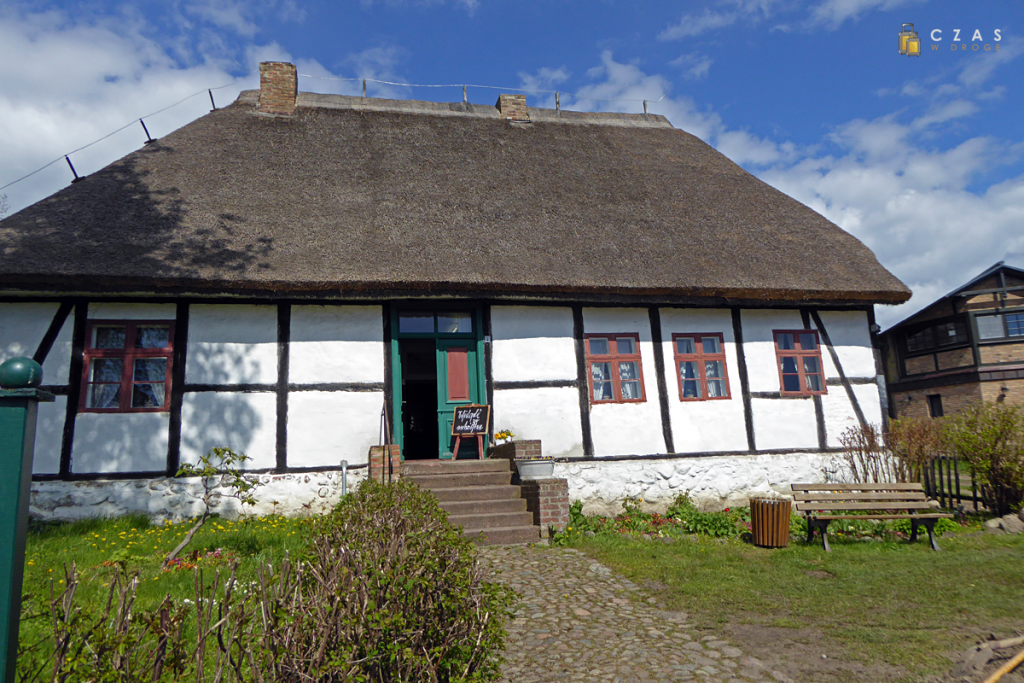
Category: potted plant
<point>531,463</point>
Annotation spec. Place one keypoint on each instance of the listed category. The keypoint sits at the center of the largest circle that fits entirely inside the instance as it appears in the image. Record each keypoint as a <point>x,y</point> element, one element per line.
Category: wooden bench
<point>821,502</point>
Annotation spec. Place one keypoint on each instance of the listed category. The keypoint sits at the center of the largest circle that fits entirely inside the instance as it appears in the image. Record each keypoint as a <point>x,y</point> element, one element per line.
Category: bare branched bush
<point>914,441</point>
<point>867,457</point>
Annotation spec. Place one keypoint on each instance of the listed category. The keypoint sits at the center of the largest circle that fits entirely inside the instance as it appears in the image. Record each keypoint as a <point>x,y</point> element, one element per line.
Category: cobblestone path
<point>578,621</point>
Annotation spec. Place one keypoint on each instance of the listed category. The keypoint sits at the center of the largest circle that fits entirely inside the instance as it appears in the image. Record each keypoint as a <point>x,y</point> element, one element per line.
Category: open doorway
<point>419,398</point>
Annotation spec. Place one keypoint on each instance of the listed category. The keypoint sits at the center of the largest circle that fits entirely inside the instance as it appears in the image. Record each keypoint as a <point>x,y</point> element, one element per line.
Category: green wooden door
<point>456,332</point>
<point>457,385</point>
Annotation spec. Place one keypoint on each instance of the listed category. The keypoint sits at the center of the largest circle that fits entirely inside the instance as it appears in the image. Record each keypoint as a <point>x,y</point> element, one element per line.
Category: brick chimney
<point>279,86</point>
<point>513,108</point>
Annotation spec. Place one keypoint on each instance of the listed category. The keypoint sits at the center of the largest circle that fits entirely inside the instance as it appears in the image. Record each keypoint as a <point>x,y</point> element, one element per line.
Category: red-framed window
<point>700,367</point>
<point>799,356</point>
<point>614,369</point>
<point>127,366</point>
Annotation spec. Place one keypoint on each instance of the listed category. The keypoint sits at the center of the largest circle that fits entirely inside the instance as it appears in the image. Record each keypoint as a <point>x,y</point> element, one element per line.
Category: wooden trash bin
<point>769,522</point>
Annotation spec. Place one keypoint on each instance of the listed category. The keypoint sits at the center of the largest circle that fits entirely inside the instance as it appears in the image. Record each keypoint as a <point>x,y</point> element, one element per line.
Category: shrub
<point>717,524</point>
<point>896,457</point>
<point>387,590</point>
<point>990,438</point>
<point>867,458</point>
<point>390,591</point>
<point>914,441</point>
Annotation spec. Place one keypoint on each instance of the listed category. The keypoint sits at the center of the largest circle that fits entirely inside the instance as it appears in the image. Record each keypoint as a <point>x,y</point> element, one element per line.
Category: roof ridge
<point>464,109</point>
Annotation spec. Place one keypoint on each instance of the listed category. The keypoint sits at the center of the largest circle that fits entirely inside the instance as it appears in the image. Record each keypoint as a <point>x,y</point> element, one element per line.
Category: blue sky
<point>921,158</point>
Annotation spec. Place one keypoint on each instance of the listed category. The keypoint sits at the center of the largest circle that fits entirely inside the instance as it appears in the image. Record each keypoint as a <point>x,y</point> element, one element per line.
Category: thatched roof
<point>356,196</point>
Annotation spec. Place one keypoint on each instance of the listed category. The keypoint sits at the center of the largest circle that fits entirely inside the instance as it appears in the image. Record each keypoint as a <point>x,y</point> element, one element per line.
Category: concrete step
<point>492,520</point>
<point>447,480</point>
<point>483,507</point>
<point>504,536</point>
<point>429,467</point>
<point>471,493</point>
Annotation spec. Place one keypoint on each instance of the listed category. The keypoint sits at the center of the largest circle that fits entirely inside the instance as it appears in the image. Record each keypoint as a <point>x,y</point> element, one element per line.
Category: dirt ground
<point>808,656</point>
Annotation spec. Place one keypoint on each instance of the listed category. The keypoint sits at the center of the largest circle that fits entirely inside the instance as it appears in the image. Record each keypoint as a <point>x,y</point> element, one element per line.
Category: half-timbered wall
<point>627,428</point>
<point>533,368</point>
<point>701,426</point>
<point>300,387</point>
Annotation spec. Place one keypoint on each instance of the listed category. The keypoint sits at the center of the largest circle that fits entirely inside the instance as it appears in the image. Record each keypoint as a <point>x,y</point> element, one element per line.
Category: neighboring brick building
<point>966,347</point>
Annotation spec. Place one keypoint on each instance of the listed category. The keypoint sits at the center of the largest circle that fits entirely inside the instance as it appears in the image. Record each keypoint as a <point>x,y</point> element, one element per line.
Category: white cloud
<point>470,6</point>
<point>225,14</point>
<point>881,181</point>
<point>65,83</point>
<point>981,66</point>
<point>544,79</point>
<point>832,13</point>
<point>946,112</point>
<point>695,66</point>
<point>694,25</point>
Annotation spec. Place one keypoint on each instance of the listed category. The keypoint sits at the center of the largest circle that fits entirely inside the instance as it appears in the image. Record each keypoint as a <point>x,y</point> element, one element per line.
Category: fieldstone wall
<point>713,482</point>
<point>177,499</point>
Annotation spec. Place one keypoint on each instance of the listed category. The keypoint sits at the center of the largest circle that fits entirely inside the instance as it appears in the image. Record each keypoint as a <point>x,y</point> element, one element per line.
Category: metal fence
<point>945,481</point>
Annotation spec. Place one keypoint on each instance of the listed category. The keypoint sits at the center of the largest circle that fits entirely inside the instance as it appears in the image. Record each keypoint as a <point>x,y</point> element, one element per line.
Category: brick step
<point>504,536</point>
<point>492,520</point>
<point>433,467</point>
<point>447,481</point>
<point>471,493</point>
<point>482,507</point>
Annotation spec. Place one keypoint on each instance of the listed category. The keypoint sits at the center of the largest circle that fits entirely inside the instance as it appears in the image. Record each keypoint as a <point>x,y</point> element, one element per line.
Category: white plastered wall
<point>532,343</point>
<point>699,426</point>
<point>778,422</point>
<point>851,340</point>
<point>551,414</point>
<point>120,442</point>
<point>231,344</point>
<point>22,327</point>
<point>336,344</point>
<point>759,345</point>
<point>784,423</point>
<point>325,428</point>
<point>49,436</point>
<point>244,422</point>
<point>627,428</point>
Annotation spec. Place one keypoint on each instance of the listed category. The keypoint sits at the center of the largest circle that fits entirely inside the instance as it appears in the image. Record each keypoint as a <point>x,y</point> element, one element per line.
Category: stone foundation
<point>176,499</point>
<point>713,482</point>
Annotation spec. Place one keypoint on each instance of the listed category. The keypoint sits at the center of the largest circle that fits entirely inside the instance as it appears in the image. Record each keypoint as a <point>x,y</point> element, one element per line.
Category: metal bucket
<point>769,522</point>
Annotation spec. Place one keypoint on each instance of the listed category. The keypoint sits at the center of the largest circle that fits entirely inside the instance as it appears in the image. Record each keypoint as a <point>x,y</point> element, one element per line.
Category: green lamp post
<point>19,398</point>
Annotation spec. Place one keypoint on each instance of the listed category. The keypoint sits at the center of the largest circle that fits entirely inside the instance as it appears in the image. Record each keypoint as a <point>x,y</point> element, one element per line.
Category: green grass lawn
<point>886,601</point>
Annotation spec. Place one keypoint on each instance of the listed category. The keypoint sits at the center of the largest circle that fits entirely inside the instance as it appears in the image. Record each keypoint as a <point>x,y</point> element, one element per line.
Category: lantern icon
<point>910,44</point>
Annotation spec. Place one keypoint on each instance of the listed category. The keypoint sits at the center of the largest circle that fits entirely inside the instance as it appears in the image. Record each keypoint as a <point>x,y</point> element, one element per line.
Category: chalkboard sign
<point>471,420</point>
